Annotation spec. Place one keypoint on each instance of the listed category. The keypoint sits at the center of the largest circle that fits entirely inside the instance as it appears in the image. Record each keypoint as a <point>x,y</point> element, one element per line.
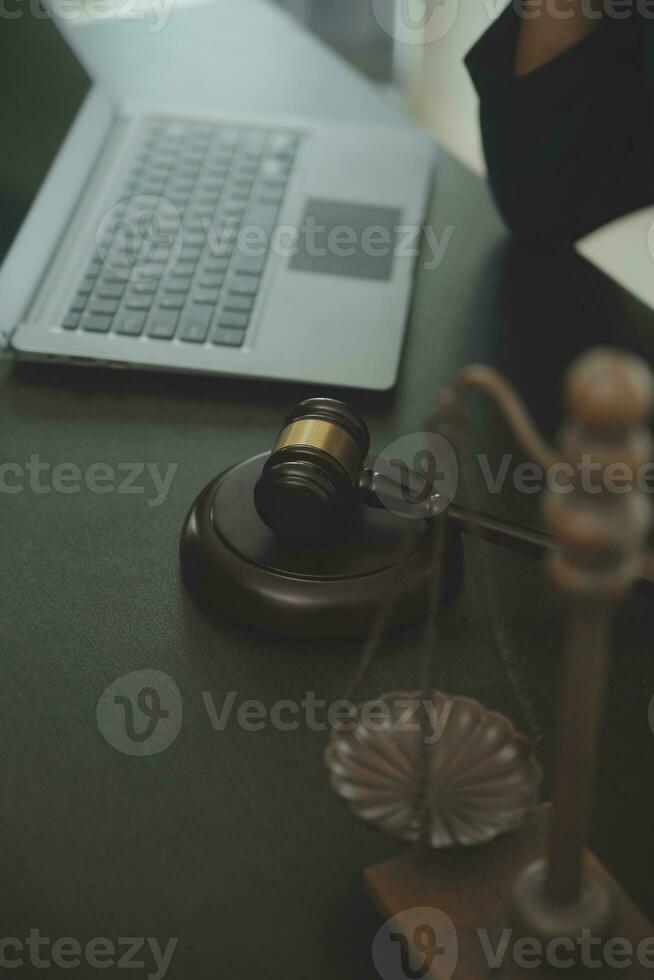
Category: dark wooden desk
<point>232,840</point>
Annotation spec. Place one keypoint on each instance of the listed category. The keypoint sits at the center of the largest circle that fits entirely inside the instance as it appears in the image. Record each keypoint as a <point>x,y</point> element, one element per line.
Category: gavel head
<point>307,488</point>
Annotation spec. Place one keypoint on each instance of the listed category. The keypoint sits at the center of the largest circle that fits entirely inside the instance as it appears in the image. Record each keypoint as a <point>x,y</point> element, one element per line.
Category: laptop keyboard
<point>182,253</point>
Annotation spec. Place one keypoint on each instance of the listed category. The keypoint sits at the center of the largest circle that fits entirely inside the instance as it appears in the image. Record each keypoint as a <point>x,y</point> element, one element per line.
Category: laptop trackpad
<point>342,239</point>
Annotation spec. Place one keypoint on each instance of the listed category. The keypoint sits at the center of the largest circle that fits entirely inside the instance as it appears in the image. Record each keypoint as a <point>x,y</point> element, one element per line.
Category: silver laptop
<point>138,236</point>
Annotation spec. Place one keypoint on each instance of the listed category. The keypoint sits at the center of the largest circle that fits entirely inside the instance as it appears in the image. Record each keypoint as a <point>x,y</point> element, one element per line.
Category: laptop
<point>141,234</point>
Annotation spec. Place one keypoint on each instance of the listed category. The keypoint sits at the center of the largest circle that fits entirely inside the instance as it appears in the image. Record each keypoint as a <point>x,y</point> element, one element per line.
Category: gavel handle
<point>378,490</point>
<point>518,537</point>
<point>522,538</point>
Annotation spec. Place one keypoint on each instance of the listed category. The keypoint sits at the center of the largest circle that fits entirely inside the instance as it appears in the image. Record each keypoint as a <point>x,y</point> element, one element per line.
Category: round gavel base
<point>240,569</point>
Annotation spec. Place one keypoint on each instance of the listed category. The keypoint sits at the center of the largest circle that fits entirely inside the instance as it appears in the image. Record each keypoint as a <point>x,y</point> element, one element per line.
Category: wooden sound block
<point>238,568</point>
<point>472,885</point>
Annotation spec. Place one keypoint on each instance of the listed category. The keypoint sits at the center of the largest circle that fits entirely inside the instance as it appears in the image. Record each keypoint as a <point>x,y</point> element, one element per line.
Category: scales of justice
<point>487,854</point>
<point>463,784</point>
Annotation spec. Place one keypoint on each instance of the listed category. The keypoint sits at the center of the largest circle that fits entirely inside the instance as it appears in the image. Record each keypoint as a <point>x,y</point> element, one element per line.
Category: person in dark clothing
<point>567,112</point>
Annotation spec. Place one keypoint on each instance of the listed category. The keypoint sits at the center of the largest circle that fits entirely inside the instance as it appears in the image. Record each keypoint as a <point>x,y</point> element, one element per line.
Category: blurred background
<point>413,51</point>
<point>423,67</point>
<point>351,28</point>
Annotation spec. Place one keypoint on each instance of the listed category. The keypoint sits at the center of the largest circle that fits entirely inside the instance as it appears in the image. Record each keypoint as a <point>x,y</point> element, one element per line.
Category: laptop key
<point>227,337</point>
<point>282,144</point>
<point>151,188</point>
<point>270,197</point>
<point>183,269</point>
<point>229,136</point>
<point>143,288</point>
<point>147,273</point>
<point>172,301</point>
<point>226,238</point>
<point>78,304</point>
<point>273,169</point>
<point>235,321</point>
<point>193,224</point>
<point>194,238</point>
<point>177,199</point>
<point>240,303</point>
<point>178,285</point>
<point>215,265</point>
<point>110,290</point>
<point>208,296</point>
<point>245,285</point>
<point>242,182</point>
<point>86,286</point>
<point>139,302</point>
<point>194,333</point>
<point>195,323</point>
<point>96,323</point>
<point>70,321</point>
<point>180,185</point>
<point>237,201</point>
<point>252,143</point>
<point>163,324</point>
<point>105,306</point>
<point>203,209</point>
<point>120,277</point>
<point>250,264</point>
<point>190,253</point>
<point>129,324</point>
<point>212,280</point>
<point>212,186</point>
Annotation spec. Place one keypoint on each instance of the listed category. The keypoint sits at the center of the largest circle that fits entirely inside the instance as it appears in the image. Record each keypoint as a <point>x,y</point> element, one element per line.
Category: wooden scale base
<point>472,887</point>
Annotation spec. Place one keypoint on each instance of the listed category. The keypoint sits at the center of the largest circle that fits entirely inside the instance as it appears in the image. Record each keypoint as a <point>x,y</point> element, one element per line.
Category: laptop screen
<point>42,86</point>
